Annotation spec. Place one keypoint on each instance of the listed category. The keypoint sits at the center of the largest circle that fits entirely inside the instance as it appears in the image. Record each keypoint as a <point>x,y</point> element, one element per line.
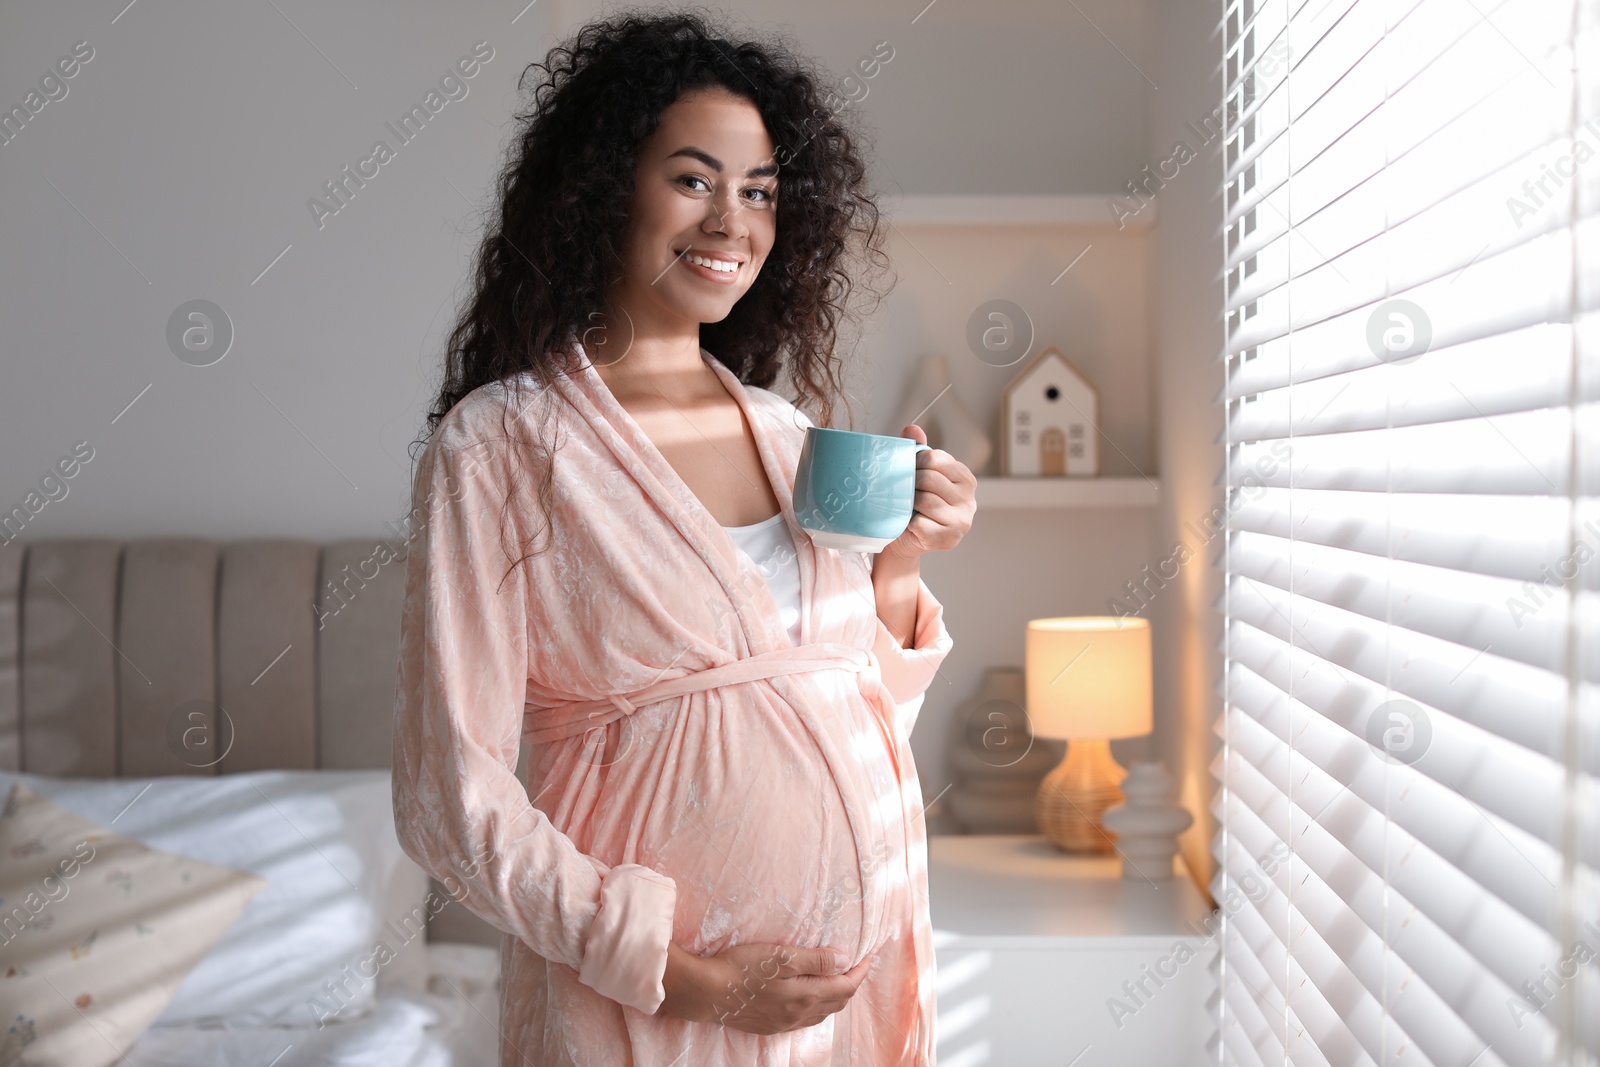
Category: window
<point>1407,801</point>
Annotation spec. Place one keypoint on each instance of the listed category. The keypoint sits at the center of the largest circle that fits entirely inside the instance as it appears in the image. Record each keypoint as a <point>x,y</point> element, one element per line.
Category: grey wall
<point>179,164</point>
<point>178,167</point>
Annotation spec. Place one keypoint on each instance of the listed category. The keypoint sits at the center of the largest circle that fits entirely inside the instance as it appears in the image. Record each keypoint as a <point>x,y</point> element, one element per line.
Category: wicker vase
<point>1074,795</point>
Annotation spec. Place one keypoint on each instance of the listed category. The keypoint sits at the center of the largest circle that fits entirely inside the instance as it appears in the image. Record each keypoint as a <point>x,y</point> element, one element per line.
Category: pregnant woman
<point>719,855</point>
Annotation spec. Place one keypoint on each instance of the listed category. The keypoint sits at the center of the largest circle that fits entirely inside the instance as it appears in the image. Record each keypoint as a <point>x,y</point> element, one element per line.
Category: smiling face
<point>704,213</point>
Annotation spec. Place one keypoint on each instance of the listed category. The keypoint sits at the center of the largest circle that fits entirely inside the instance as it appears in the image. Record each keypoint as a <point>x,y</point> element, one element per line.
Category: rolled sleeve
<point>625,954</point>
<point>907,672</point>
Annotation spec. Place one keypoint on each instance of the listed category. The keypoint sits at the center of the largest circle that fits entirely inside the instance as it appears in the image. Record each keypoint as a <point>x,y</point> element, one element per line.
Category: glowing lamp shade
<point>1088,682</point>
<point>1089,677</point>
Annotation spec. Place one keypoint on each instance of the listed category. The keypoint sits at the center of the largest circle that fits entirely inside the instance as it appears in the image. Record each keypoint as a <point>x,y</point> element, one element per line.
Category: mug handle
<point>914,451</point>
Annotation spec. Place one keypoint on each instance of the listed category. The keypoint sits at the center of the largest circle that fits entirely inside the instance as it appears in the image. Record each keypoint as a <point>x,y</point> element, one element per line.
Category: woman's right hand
<point>759,988</point>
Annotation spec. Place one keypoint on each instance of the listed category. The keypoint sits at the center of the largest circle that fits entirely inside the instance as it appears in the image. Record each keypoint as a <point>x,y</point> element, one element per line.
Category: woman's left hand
<point>946,501</point>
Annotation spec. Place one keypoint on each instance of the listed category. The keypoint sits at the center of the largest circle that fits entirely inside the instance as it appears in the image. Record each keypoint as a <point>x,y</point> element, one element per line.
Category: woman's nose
<point>725,214</point>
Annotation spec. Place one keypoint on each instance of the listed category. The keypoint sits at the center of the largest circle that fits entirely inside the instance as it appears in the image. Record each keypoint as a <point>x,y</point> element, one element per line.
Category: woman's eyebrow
<point>767,171</point>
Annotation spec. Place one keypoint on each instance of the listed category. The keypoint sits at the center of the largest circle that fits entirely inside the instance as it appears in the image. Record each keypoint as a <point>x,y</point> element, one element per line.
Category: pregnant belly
<point>772,807</point>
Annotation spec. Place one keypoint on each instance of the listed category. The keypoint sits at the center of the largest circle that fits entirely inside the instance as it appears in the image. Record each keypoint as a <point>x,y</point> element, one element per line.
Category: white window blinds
<point>1407,802</point>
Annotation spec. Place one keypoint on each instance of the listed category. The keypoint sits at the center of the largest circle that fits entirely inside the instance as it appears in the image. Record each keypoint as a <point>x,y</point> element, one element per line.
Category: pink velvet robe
<point>693,775</point>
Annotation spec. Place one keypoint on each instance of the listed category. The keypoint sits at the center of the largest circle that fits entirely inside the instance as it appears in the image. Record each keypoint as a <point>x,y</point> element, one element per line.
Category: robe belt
<point>580,716</point>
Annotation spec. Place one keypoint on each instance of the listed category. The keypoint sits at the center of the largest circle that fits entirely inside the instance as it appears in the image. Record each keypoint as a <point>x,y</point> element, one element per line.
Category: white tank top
<point>770,547</point>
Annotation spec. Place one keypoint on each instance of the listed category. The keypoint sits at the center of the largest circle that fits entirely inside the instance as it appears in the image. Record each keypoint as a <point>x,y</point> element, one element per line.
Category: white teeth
<point>714,264</point>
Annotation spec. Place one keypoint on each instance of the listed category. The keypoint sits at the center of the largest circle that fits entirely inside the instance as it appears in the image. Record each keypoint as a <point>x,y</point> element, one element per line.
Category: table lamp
<point>1088,681</point>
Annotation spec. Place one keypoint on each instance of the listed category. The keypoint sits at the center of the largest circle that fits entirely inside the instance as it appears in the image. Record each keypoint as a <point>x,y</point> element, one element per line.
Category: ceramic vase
<point>948,424</point>
<point>1147,823</point>
<point>995,759</point>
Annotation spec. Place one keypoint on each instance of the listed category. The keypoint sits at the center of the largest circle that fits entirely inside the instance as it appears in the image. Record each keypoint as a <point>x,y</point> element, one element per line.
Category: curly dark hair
<point>543,268</point>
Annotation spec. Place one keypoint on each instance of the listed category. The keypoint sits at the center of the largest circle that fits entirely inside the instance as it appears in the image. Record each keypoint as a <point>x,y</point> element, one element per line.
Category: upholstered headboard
<point>182,656</point>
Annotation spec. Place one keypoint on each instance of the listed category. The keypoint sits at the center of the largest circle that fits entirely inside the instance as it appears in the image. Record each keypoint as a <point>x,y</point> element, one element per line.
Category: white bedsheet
<point>454,1024</point>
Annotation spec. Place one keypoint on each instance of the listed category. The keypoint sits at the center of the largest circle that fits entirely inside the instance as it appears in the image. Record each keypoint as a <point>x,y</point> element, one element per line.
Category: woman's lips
<point>717,276</point>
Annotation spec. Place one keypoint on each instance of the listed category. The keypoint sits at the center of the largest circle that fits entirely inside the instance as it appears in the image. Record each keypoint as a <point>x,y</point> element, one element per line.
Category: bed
<point>207,725</point>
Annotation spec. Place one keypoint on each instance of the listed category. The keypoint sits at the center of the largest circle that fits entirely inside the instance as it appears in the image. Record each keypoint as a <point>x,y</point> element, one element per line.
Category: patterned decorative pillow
<point>97,931</point>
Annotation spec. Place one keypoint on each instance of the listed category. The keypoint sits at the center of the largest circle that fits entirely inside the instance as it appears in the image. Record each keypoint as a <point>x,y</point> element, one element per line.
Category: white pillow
<point>309,948</point>
<point>99,931</point>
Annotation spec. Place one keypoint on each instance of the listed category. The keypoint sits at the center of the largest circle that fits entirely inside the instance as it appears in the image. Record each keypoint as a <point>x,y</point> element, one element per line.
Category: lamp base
<point>1073,796</point>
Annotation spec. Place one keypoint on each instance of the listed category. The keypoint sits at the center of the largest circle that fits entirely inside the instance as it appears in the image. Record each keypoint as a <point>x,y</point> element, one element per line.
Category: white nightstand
<point>1035,946</point>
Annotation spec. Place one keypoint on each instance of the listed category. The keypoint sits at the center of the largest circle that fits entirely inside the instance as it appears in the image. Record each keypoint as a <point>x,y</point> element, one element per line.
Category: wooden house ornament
<point>1048,418</point>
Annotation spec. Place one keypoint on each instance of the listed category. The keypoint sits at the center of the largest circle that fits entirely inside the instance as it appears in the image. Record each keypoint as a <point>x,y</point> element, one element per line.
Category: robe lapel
<point>748,592</point>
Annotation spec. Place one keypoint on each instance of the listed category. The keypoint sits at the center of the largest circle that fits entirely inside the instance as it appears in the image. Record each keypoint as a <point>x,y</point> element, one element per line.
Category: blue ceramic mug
<point>854,491</point>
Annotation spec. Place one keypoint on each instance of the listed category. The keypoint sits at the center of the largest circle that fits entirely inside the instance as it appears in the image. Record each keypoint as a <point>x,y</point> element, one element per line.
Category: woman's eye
<point>690,180</point>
